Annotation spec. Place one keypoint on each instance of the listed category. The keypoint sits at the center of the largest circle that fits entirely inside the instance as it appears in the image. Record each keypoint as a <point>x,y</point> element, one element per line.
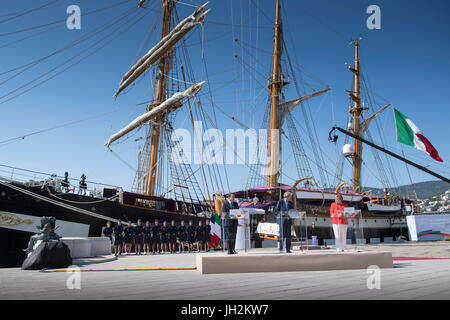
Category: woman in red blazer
<point>339,222</point>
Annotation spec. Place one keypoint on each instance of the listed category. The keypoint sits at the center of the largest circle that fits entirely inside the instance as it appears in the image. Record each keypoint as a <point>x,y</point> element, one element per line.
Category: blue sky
<point>406,64</point>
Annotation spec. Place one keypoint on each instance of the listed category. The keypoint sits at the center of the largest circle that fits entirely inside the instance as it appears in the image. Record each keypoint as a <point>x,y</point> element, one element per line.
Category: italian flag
<point>216,231</point>
<point>408,133</point>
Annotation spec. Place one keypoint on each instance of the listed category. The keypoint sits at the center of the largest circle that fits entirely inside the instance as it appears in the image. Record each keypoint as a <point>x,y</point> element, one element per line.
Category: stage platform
<point>270,261</point>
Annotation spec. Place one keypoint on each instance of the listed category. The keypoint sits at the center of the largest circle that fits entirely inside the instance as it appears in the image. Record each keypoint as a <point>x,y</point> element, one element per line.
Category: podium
<point>355,228</point>
<point>300,228</point>
<point>243,218</point>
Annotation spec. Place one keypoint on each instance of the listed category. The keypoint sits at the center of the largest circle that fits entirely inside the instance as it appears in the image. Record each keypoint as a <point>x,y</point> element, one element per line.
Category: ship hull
<point>20,214</point>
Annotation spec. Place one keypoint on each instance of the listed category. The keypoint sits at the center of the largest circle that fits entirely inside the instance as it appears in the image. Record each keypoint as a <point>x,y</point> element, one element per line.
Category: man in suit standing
<point>284,220</point>
<point>230,225</point>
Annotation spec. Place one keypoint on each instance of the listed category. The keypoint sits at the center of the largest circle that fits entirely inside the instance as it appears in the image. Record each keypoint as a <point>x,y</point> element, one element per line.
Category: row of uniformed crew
<point>157,238</point>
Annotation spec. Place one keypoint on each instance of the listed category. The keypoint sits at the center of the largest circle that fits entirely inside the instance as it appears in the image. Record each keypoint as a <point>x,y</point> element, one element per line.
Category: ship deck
<point>417,274</point>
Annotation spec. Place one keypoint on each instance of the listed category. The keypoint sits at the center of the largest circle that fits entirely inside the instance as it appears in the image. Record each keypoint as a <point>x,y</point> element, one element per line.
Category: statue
<point>46,233</point>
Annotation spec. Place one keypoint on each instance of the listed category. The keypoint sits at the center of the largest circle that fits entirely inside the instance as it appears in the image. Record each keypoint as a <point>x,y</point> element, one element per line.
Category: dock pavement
<point>421,271</point>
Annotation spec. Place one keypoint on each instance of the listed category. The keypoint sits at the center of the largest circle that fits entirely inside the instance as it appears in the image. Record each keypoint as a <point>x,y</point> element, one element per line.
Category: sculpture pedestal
<point>88,247</point>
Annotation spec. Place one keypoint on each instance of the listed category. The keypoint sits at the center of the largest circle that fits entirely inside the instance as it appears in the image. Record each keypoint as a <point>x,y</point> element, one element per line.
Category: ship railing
<point>32,178</point>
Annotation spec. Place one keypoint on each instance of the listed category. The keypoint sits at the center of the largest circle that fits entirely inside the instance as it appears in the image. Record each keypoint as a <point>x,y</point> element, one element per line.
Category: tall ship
<point>83,207</point>
<point>169,187</point>
<point>384,215</point>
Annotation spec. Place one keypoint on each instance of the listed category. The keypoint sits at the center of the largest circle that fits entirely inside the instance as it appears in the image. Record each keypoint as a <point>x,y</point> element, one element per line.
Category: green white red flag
<point>409,134</point>
<point>216,230</point>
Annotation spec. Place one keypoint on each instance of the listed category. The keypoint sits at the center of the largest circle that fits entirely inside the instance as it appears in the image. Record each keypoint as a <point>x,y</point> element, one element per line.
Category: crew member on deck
<point>138,237</point>
<point>83,185</point>
<point>182,236</point>
<point>339,222</point>
<point>230,225</point>
<point>147,230</point>
<point>128,237</point>
<point>284,220</point>
<point>190,230</point>
<point>255,200</point>
<point>156,237</point>
<point>172,237</point>
<point>164,237</point>
<point>118,238</point>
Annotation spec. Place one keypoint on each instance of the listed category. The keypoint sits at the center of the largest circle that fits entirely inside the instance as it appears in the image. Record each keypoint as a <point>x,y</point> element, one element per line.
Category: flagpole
<point>389,153</point>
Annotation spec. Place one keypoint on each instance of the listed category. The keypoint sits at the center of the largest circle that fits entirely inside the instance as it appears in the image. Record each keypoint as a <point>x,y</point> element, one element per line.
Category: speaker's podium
<point>236,230</point>
<point>355,231</point>
<point>248,259</point>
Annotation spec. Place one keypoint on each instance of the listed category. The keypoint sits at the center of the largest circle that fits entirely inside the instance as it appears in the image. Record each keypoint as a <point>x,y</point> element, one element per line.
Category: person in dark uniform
<point>199,235</point>
<point>206,235</point>
<point>147,231</point>
<point>182,236</point>
<point>108,231</point>
<point>172,237</point>
<point>156,237</point>
<point>230,225</point>
<point>190,230</point>
<point>284,220</point>
<point>128,237</point>
<point>164,237</point>
<point>138,237</point>
<point>118,238</point>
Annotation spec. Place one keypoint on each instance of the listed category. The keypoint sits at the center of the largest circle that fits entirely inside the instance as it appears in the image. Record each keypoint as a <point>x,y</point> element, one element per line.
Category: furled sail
<point>366,123</point>
<point>163,46</point>
<point>165,106</point>
<point>293,104</point>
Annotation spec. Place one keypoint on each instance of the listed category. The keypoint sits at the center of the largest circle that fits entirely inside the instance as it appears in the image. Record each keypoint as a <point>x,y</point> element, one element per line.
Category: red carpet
<point>416,258</point>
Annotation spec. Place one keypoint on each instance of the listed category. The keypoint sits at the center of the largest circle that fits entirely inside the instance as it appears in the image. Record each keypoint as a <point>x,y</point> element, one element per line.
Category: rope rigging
<point>21,14</point>
<point>125,26</point>
<point>63,20</point>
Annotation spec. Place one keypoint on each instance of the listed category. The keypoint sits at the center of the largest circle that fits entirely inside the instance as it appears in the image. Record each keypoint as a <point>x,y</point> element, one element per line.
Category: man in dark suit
<point>284,220</point>
<point>229,224</point>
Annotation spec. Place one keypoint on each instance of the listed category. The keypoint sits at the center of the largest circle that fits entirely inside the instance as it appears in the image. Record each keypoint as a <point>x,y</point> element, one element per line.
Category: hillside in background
<point>425,190</point>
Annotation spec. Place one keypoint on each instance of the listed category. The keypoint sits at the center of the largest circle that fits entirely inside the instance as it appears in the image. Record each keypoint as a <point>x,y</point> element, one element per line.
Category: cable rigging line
<point>62,20</point>
<point>28,37</point>
<point>22,137</point>
<point>85,37</point>
<point>72,65</point>
<point>28,11</point>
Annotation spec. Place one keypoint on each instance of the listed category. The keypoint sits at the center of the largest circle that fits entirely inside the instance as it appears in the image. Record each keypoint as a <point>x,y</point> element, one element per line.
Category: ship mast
<point>356,112</point>
<point>162,105</point>
<point>279,111</point>
<point>160,97</point>
<point>275,89</point>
